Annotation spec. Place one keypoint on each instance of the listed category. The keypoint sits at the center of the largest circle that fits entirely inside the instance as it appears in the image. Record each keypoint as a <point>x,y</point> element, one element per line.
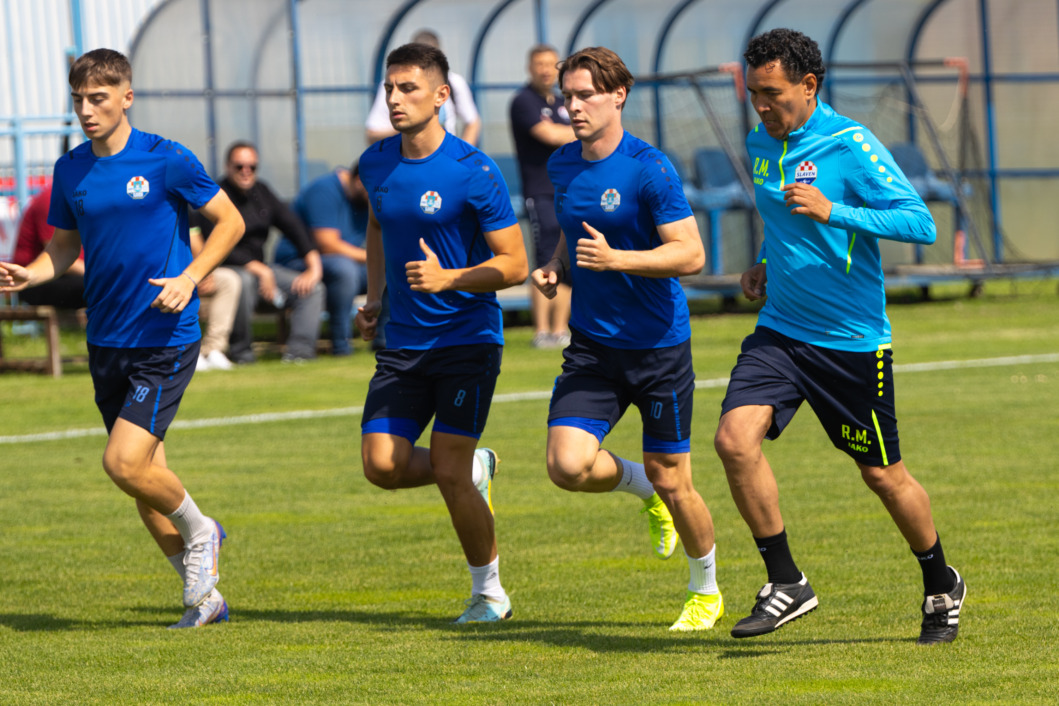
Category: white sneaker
<point>219,361</point>
<point>212,610</point>
<point>203,365</point>
<point>200,565</point>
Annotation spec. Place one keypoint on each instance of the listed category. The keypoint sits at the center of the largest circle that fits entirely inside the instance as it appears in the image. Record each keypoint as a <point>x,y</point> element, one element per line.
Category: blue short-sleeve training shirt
<point>625,196</point>
<point>449,199</point>
<point>131,211</point>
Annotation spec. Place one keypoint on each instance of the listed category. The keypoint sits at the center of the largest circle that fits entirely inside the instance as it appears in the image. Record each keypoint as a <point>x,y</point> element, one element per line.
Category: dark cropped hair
<point>608,71</point>
<point>238,145</point>
<point>798,54</point>
<point>424,56</point>
<point>542,49</point>
<point>104,67</point>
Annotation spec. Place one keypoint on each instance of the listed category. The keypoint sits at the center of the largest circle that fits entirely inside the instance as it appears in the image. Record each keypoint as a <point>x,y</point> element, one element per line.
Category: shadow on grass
<point>42,622</point>
<point>598,636</point>
<point>31,622</point>
<point>37,623</point>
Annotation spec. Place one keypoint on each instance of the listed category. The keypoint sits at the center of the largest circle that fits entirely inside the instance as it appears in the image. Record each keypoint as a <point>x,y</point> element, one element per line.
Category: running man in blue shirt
<point>442,238</point>
<point>627,235</point>
<point>827,191</point>
<point>124,196</point>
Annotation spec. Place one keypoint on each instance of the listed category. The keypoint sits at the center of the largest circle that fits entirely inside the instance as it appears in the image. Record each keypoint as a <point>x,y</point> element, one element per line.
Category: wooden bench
<point>52,364</point>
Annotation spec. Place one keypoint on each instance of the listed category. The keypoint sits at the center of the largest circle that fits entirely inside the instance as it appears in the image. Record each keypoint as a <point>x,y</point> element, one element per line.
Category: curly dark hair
<point>798,54</point>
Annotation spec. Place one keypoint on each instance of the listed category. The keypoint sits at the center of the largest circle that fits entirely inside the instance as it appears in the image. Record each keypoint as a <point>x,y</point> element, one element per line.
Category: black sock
<point>936,575</point>
<point>778,561</point>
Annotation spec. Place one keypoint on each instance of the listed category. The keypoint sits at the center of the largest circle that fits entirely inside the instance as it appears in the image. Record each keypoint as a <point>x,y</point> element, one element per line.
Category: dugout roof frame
<point>653,36</point>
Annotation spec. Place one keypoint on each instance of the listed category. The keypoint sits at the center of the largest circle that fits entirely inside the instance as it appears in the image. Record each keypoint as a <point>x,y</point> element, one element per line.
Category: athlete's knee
<point>734,446</point>
<point>670,474</point>
<point>885,481</point>
<point>122,466</point>
<point>380,468</point>
<point>568,468</point>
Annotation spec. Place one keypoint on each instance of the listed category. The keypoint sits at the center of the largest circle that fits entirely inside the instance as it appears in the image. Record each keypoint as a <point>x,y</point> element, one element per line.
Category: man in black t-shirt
<point>539,124</point>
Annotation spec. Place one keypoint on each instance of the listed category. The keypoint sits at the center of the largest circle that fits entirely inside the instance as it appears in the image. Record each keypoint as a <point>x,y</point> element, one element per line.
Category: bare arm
<point>471,131</point>
<point>314,272</point>
<point>228,228</point>
<point>506,268</point>
<point>552,134</point>
<point>753,282</point>
<point>329,241</point>
<point>367,318</point>
<point>681,252</point>
<point>58,256</point>
<point>549,276</point>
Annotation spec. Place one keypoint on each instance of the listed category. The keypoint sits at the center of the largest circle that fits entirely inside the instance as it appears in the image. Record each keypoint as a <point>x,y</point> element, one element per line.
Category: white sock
<point>190,521</point>
<point>485,580</point>
<point>703,573</point>
<point>177,560</point>
<point>477,469</point>
<point>633,479</point>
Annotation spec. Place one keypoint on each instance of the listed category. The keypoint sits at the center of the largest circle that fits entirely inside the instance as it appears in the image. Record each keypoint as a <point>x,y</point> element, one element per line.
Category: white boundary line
<point>509,397</point>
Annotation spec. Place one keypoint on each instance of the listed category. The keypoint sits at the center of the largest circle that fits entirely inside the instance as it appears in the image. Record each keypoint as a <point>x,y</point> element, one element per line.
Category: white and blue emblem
<point>430,202</point>
<point>805,173</point>
<point>138,187</point>
<point>610,200</point>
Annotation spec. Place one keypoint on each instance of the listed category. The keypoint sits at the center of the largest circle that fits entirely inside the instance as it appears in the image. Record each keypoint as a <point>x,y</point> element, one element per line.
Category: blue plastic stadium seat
<point>923,179</point>
<point>716,189</point>
<point>926,183</point>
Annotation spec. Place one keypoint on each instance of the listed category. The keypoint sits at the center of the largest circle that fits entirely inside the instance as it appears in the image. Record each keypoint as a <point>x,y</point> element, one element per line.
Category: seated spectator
<point>460,104</point>
<point>64,292</point>
<point>335,208</point>
<point>218,301</point>
<point>300,291</point>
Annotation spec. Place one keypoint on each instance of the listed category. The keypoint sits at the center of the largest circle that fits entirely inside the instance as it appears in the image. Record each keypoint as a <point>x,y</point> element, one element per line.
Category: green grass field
<point>343,593</point>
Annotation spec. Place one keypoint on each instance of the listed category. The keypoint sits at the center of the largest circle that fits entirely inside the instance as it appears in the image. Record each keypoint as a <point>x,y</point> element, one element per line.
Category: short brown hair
<point>103,67</point>
<point>608,71</point>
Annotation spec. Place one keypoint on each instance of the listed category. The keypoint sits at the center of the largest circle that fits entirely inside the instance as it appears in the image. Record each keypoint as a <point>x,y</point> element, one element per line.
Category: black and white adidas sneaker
<point>777,604</point>
<point>941,614</point>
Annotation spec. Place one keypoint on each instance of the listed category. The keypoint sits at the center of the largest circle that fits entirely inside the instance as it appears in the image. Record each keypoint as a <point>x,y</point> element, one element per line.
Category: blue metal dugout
<point>298,76</point>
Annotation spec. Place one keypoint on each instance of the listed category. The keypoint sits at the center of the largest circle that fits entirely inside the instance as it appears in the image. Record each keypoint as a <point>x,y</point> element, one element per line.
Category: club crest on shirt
<point>430,202</point>
<point>138,187</point>
<point>805,173</point>
<point>610,200</point>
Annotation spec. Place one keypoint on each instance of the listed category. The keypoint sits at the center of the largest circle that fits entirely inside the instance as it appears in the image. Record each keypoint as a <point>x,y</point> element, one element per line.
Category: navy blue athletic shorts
<point>598,383</point>
<point>852,393</point>
<point>545,227</point>
<point>141,385</point>
<point>455,384</point>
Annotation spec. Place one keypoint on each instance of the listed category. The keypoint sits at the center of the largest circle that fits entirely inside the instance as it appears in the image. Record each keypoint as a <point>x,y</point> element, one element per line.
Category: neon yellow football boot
<point>701,612</point>
<point>664,535</point>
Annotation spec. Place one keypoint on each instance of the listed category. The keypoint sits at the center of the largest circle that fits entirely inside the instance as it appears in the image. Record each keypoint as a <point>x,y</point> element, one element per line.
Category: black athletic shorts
<point>141,385</point>
<point>598,383</point>
<point>455,384</point>
<point>852,393</point>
